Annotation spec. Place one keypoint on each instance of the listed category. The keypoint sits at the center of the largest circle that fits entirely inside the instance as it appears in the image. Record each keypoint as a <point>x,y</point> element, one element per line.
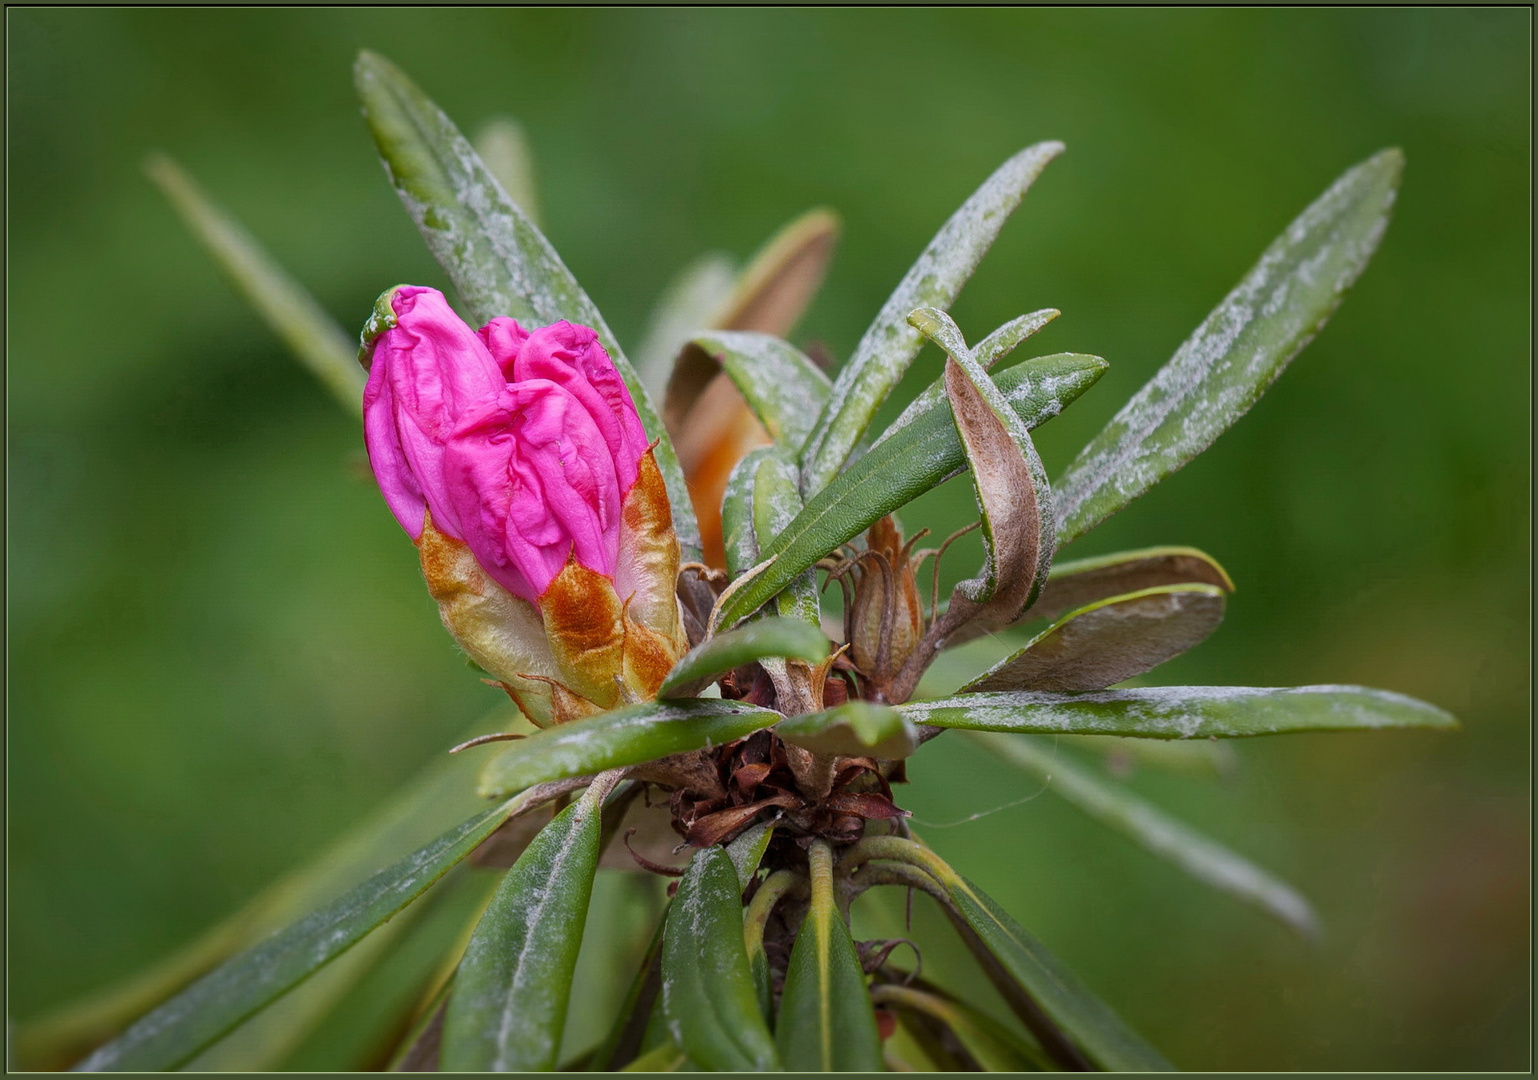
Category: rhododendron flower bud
<point>885,619</point>
<point>518,464</point>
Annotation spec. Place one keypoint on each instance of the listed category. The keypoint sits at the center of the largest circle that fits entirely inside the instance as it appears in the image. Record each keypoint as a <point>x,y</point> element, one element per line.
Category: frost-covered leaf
<point>504,148</point>
<point>1183,712</point>
<point>619,738</point>
<point>294,315</point>
<point>1115,806</point>
<point>216,1003</point>
<point>1237,351</point>
<point>782,386</point>
<point>853,729</point>
<point>508,1008</point>
<point>762,498</point>
<point>988,352</point>
<point>707,992</point>
<point>499,262</point>
<point>747,851</point>
<point>901,467</point>
<point>890,344</point>
<point>716,656</point>
<point>1110,641</point>
<point>825,1022</point>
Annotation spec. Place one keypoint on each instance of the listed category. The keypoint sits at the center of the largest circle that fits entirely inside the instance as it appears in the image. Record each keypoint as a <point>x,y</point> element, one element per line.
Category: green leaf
<point>988,352</point>
<point>899,468</point>
<point>177,1030</point>
<point>1103,1035</point>
<point>508,1008</point>
<point>707,992</point>
<point>498,261</point>
<point>504,149</point>
<point>715,656</point>
<point>853,729</point>
<point>1110,641</point>
<point>739,532</point>
<point>776,502</point>
<point>747,851</point>
<point>294,315</point>
<point>620,737</point>
<point>437,798</point>
<point>781,385</point>
<point>1237,352</point>
<point>890,344</point>
<point>363,1026</point>
<point>1183,712</point>
<point>1198,855</point>
<point>825,1023</point>
<point>1010,482</point>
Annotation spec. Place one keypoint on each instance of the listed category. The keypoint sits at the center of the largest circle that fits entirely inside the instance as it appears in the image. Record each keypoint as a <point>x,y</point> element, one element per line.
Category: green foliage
<point>705,994</point>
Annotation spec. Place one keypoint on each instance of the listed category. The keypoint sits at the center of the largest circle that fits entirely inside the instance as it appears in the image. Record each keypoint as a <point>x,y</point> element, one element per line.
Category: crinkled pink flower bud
<point>428,369</point>
<point>518,464</point>
<point>540,472</point>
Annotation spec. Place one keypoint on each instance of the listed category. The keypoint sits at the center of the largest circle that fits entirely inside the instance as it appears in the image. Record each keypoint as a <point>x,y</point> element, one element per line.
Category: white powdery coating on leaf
<point>598,743</point>
<point>1234,355</point>
<point>935,279</point>
<point>1183,712</point>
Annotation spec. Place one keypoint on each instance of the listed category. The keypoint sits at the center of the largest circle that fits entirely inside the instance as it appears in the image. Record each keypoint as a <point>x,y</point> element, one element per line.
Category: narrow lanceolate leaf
<point>935,280</point>
<point>900,468</point>
<point>854,729</point>
<point>504,148</point>
<point>825,1023</point>
<point>782,386</point>
<point>1237,352</point>
<point>1110,641</point>
<point>768,637</point>
<point>499,262</point>
<point>438,798</point>
<point>1183,712</point>
<point>707,992</point>
<point>619,738</point>
<point>179,1029</point>
<point>1010,481</point>
<point>776,502</point>
<point>988,352</point>
<point>508,1009</point>
<point>747,851</point>
<point>294,315</point>
<point>739,532</point>
<point>1113,805</point>
<point>1102,1035</point>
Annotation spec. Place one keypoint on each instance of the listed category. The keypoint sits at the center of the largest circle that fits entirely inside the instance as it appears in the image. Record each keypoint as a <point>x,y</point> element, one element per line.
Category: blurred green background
<point>220,651</point>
